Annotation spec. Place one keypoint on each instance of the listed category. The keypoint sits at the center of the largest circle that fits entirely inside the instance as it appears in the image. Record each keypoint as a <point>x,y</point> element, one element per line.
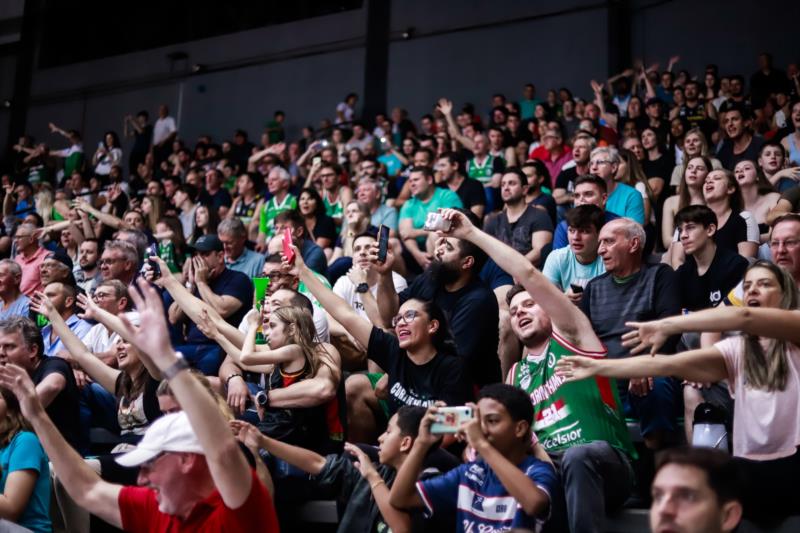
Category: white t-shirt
<point>345,289</point>
<point>320,323</point>
<point>766,425</point>
<point>347,112</point>
<point>99,339</point>
<point>163,128</point>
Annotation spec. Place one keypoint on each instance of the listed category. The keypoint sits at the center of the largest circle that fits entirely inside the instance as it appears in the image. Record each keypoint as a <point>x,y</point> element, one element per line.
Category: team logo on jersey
<point>476,473</point>
<point>715,297</point>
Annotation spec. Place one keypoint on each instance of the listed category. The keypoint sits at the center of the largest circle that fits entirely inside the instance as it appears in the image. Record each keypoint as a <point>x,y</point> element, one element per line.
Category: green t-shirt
<point>417,210</point>
<point>569,414</point>
<point>270,210</point>
<point>482,173</point>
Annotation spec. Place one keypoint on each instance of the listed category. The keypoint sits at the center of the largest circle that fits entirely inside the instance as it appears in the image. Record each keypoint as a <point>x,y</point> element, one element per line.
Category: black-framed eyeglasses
<point>407,317</point>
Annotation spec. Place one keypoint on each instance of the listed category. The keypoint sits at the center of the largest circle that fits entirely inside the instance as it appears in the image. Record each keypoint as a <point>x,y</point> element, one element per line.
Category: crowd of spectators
<point>221,323</point>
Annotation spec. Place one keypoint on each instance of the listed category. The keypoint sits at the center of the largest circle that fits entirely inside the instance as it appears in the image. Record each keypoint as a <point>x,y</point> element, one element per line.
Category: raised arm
<point>762,321</point>
<point>358,327</point>
<point>387,299</point>
<point>224,304</point>
<point>82,483</point>
<point>305,460</point>
<point>446,107</point>
<point>705,365</point>
<point>106,218</point>
<point>100,372</point>
<point>228,466</point>
<point>567,319</point>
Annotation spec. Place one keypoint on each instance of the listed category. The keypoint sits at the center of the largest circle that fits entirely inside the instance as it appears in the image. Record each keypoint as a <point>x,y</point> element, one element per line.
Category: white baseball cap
<point>169,433</point>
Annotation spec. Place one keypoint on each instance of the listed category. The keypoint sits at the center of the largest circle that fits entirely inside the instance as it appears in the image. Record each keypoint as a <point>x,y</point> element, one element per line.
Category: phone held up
<point>383,243</point>
<point>450,419</point>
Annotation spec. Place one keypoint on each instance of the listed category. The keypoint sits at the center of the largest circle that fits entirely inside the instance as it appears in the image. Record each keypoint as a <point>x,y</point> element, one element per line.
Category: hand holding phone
<point>287,245</point>
<point>383,243</point>
<point>450,419</point>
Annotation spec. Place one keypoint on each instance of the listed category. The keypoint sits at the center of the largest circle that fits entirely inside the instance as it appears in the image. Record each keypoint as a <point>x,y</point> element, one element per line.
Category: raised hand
<point>424,436</point>
<point>471,429</point>
<point>576,367</point>
<point>151,337</point>
<point>362,462</point>
<point>42,305</point>
<point>247,434</point>
<point>596,87</point>
<point>445,106</point>
<point>206,326</point>
<point>357,275</point>
<point>460,225</point>
<point>380,268</point>
<point>200,270</point>
<point>16,379</point>
<point>645,334</point>
<point>89,307</point>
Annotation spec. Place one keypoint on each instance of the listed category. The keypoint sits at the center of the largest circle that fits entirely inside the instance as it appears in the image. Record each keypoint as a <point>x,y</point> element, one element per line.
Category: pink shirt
<point>553,166</point>
<point>31,282</point>
<point>766,425</point>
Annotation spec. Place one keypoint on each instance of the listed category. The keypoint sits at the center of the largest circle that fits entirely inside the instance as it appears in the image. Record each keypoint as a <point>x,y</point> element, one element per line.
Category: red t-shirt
<point>139,511</point>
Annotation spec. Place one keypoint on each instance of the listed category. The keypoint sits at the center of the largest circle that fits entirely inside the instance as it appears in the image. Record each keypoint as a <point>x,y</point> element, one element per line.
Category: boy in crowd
<point>363,486</point>
<point>507,488</point>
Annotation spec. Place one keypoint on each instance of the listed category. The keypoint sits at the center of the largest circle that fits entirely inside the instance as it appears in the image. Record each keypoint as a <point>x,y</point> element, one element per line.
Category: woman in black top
<point>320,226</point>
<point>420,361</point>
<point>736,229</point>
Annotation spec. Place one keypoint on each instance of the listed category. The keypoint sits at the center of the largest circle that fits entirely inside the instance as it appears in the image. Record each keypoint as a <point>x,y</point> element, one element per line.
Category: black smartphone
<point>151,251</point>
<point>383,243</point>
<point>577,289</point>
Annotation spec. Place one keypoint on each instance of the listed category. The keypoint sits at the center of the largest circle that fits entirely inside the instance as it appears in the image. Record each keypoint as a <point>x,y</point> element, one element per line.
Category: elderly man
<point>369,194</point>
<point>233,236</point>
<point>56,267</point>
<point>631,290</point>
<point>623,199</point>
<point>120,260</point>
<point>30,256</point>
<point>278,182</point>
<point>192,472</point>
<point>12,301</point>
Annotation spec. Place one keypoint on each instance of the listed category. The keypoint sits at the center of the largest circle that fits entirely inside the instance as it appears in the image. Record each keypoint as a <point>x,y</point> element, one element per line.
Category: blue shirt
<point>626,202</point>
<point>481,503</point>
<point>25,452</point>
<point>560,239</point>
<point>19,307</point>
<point>250,263</point>
<point>77,325</point>
<point>562,268</point>
<point>386,215</point>
<point>314,256</point>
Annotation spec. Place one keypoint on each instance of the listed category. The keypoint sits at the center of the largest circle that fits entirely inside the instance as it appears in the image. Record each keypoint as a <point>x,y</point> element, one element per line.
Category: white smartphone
<point>450,419</point>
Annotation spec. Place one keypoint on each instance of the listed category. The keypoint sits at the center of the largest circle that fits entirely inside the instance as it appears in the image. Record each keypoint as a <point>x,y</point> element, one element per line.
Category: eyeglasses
<point>327,175</point>
<point>149,465</point>
<point>788,244</point>
<point>407,317</point>
<point>601,162</point>
<point>102,295</point>
<point>109,261</point>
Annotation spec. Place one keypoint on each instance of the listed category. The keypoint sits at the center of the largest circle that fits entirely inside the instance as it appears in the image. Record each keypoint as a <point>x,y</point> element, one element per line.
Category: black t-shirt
<point>442,378</point>
<point>566,179</point>
<point>470,191</point>
<point>732,233</point>
<point>549,204</point>
<point>325,228</point>
<point>141,142</point>
<point>729,160</point>
<point>473,314</point>
<point>659,168</point>
<point>214,201</point>
<point>700,292</point>
<point>64,409</point>
<point>518,234</point>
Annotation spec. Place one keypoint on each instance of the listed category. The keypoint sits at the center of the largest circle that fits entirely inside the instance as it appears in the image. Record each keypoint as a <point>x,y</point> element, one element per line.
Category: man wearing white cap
<point>192,474</point>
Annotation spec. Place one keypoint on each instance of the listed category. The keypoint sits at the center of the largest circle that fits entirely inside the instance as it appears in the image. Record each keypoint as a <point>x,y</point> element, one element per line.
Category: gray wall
<point>462,49</point>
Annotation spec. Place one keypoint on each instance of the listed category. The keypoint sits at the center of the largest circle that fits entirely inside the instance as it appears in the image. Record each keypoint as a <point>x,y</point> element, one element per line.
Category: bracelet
<point>372,487</point>
<point>234,375</point>
<point>176,368</point>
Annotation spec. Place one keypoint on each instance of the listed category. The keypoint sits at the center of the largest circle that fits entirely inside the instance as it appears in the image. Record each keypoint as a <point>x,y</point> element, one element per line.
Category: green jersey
<point>570,414</point>
<point>271,209</point>
<point>482,173</point>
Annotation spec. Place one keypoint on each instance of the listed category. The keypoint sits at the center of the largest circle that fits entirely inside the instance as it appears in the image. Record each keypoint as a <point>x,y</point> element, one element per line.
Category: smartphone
<point>450,419</point>
<point>287,245</point>
<point>152,250</point>
<point>577,289</point>
<point>436,222</point>
<point>316,161</point>
<point>383,243</point>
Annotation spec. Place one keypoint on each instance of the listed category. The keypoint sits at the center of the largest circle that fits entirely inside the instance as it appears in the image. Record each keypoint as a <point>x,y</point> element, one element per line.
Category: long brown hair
<point>304,334</point>
<point>13,422</point>
<point>684,198</point>
<point>769,370</point>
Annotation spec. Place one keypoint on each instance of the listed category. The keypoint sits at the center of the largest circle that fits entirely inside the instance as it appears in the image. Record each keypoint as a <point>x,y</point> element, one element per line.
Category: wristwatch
<point>176,368</point>
<point>361,288</point>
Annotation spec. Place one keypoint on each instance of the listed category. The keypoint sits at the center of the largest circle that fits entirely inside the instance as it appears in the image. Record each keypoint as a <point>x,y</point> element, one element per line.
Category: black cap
<point>62,257</point>
<point>208,243</point>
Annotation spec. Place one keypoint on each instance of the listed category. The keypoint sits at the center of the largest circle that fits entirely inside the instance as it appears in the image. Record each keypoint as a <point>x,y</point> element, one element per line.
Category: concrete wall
<point>462,49</point>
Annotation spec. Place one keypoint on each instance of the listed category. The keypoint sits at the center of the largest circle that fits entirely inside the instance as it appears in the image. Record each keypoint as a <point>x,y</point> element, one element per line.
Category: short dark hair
<point>513,291</point>
<point>452,157</point>
<point>274,258</point>
<point>699,214</point>
<point>467,248</point>
<point>772,144</point>
<point>409,418</point>
<point>293,216</point>
<point>426,151</point>
<point>542,171</point>
<point>787,217</point>
<point>730,105</point>
<point>724,478</point>
<point>515,400</point>
<point>594,180</point>
<point>585,216</point>
<point>523,179</point>
<point>426,171</point>
<point>300,301</point>
<point>27,329</point>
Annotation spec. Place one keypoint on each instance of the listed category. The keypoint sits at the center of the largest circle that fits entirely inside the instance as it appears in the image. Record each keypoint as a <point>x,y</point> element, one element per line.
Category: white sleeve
<point>753,234</point>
